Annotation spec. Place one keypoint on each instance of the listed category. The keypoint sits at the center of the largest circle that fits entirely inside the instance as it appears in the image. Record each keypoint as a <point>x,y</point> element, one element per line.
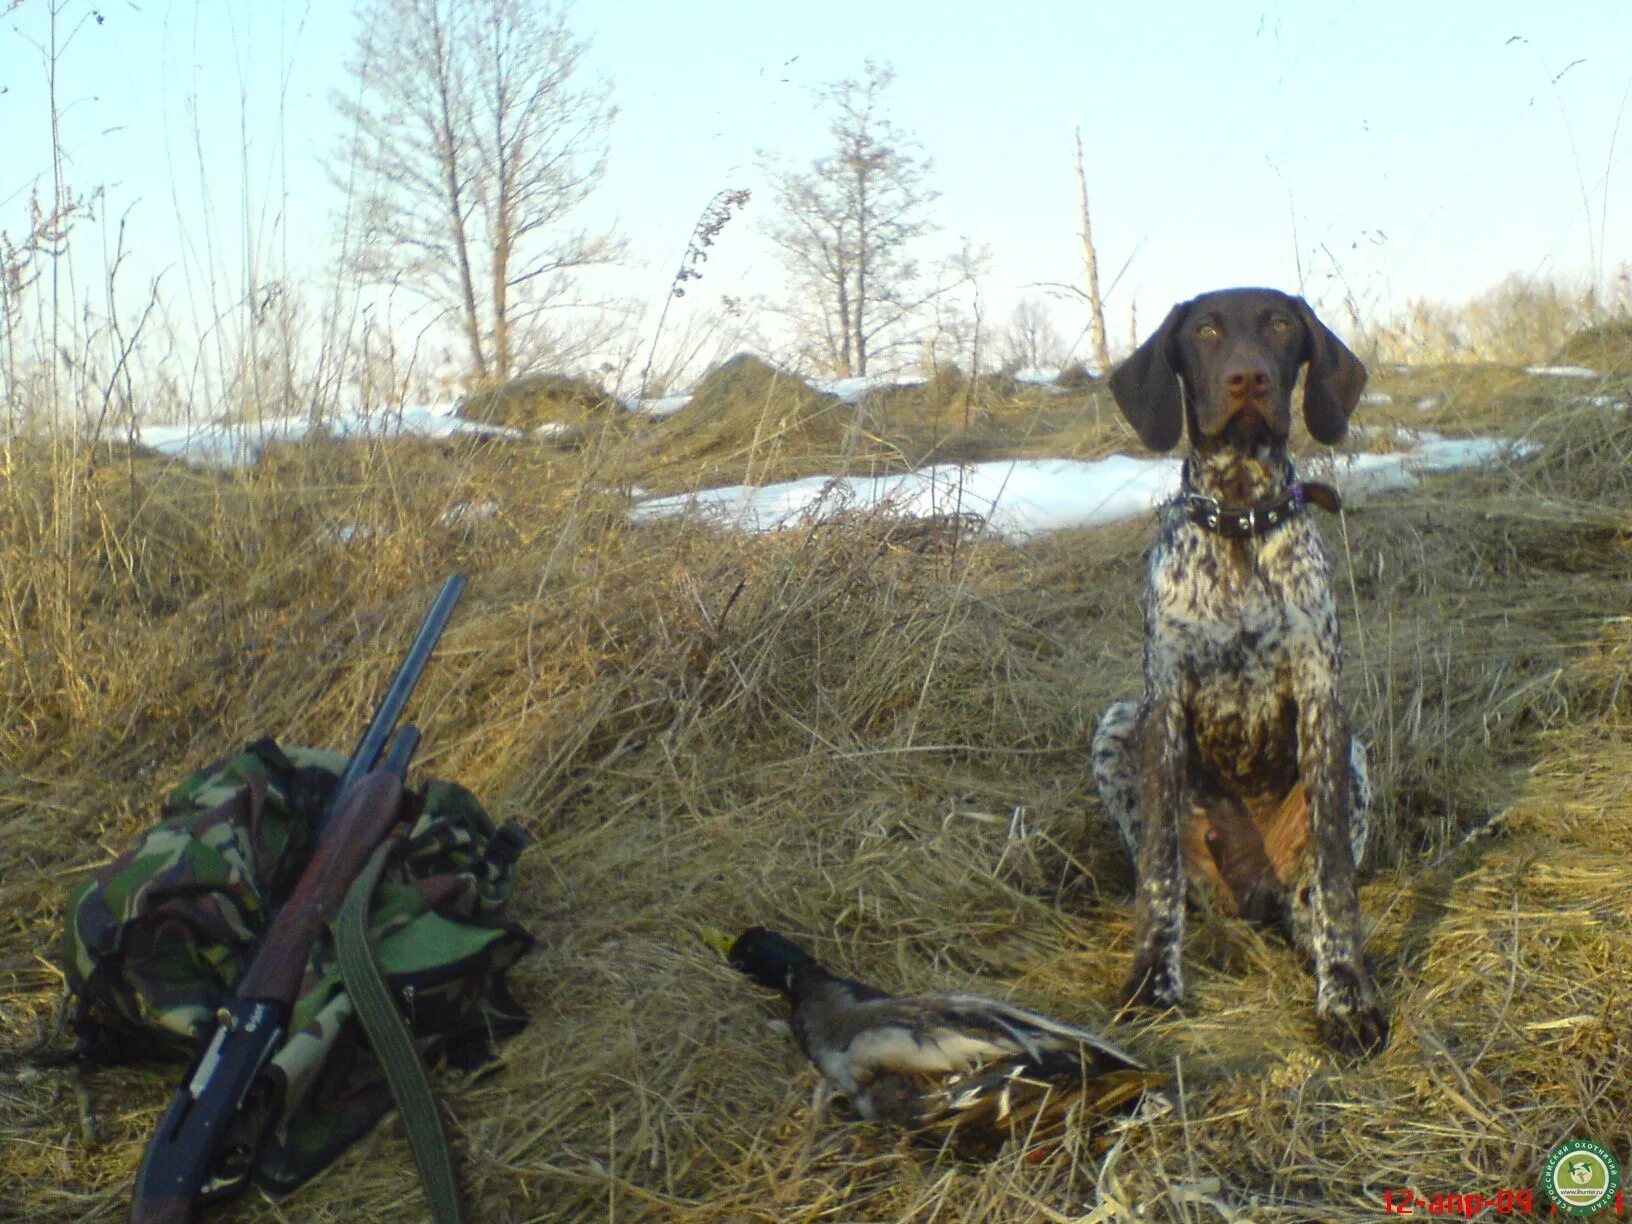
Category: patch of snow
<point>1429,403</point>
<point>419,422</point>
<point>354,407</point>
<point>346,533</point>
<point>1376,397</point>
<point>1617,402</point>
<point>1547,371</point>
<point>852,389</point>
<point>233,444</point>
<point>219,444</point>
<point>659,405</point>
<point>1019,499</point>
<point>468,512</point>
<point>1361,475</point>
<point>1046,380</point>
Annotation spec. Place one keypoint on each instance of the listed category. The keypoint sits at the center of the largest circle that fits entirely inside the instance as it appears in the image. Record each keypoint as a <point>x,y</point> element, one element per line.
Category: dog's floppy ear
<point>1332,387</point>
<point>1146,386</point>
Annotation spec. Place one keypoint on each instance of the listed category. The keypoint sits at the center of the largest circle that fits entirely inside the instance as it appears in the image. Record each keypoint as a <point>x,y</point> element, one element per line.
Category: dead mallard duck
<point>979,1068</point>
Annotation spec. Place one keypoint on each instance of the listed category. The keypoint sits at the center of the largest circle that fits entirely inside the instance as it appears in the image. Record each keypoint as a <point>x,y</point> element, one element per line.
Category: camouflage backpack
<point>156,940</point>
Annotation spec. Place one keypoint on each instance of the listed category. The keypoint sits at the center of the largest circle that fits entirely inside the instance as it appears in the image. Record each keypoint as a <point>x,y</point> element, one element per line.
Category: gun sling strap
<point>392,1043</point>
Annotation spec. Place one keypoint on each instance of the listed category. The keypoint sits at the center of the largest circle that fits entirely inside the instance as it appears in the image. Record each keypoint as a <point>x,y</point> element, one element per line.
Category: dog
<point>1236,771</point>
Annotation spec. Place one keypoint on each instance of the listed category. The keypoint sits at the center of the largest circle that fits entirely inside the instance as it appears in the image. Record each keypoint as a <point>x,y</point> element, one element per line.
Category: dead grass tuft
<point>574,408</point>
<point>747,419</point>
<point>1606,347</point>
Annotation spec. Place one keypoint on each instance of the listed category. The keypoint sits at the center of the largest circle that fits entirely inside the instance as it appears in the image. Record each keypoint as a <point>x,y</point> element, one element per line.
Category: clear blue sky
<point>1396,149</point>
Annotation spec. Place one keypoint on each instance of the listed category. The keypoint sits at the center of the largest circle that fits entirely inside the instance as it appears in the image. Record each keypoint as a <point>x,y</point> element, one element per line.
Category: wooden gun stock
<point>364,817</point>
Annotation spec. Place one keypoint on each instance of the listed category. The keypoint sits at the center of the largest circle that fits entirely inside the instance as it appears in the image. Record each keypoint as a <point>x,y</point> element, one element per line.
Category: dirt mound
<point>745,389</point>
<point>1606,347</point>
<point>746,415</point>
<point>574,404</point>
<point>1074,375</point>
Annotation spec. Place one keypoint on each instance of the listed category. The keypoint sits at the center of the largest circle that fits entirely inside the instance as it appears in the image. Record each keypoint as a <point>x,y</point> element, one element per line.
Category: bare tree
<point>1031,341</point>
<point>473,141</point>
<point>844,227</point>
<point>1092,297</point>
<point>1090,263</point>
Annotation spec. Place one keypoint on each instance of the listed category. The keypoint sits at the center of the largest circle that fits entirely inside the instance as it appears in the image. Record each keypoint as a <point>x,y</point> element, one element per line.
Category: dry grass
<point>1481,397</point>
<point>578,408</point>
<point>869,734</point>
<point>749,421</point>
<point>1606,347</point>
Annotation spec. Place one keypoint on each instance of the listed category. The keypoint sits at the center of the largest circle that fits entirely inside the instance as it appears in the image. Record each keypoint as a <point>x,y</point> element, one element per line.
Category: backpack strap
<point>392,1043</point>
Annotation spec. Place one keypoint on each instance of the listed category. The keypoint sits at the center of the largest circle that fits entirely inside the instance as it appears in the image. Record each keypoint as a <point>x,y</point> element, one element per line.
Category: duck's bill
<point>717,939</point>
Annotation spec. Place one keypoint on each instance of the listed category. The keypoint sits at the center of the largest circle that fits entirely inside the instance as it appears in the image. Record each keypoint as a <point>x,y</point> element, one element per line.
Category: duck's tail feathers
<point>1026,1101</point>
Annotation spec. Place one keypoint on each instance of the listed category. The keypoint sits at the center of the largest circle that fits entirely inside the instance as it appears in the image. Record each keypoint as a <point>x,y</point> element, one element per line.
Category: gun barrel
<point>366,755</point>
<point>401,751</point>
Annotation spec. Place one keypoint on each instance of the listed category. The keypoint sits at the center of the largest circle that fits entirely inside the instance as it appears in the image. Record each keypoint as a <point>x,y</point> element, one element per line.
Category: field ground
<point>869,733</point>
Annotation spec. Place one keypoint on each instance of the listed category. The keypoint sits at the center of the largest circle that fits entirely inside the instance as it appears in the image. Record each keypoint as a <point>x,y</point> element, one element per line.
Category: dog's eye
<point>1280,325</point>
<point>1207,331</point>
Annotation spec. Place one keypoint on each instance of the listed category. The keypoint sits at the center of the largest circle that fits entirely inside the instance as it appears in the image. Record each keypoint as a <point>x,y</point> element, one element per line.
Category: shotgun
<point>199,1137</point>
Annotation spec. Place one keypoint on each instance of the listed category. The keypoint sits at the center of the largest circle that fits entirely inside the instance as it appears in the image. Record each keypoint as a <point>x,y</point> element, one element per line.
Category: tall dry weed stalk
<point>716,215</point>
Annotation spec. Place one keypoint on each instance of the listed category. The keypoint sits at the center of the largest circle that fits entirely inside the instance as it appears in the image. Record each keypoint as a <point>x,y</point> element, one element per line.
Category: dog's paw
<point>1351,1016</point>
<point>1154,983</point>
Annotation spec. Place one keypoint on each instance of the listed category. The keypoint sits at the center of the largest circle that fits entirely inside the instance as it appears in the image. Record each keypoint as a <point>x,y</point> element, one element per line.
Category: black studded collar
<point>1244,522</point>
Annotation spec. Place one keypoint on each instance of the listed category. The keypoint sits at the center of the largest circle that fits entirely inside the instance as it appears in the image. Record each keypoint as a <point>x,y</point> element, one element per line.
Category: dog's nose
<point>1246,380</point>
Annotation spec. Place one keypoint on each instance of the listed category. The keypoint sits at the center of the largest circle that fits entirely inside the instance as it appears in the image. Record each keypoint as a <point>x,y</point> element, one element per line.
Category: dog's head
<point>1226,362</point>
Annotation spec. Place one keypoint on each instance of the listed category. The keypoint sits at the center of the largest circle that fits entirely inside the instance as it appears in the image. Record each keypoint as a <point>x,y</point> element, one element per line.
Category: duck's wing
<point>978,1067</point>
<point>1022,1030</point>
<point>856,1039</point>
<point>984,1069</point>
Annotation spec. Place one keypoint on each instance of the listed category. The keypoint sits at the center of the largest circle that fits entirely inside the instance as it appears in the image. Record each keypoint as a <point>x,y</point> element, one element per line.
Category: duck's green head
<point>763,955</point>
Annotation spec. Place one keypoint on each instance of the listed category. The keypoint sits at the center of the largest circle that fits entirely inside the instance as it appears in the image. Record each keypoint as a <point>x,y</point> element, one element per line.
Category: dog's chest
<point>1244,623</point>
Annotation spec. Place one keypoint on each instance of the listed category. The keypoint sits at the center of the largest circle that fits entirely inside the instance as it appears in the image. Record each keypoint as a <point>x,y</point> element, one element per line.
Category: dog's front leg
<point>1347,1005</point>
<point>1157,978</point>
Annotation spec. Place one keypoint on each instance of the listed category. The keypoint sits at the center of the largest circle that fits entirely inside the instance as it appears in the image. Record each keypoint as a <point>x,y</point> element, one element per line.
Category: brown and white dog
<point>1236,768</point>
